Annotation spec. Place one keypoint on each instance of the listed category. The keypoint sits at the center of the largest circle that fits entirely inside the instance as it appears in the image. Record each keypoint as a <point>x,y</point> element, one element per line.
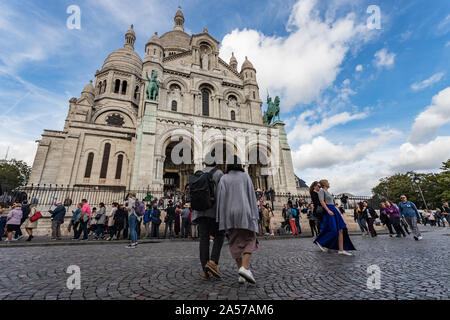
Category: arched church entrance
<point>258,168</point>
<point>176,171</point>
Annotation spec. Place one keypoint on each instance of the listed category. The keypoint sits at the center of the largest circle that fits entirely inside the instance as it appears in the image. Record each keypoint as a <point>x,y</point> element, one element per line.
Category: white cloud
<point>303,129</point>
<point>359,68</point>
<point>424,156</point>
<point>427,82</point>
<point>301,65</point>
<point>321,153</point>
<point>447,44</point>
<point>384,59</point>
<point>428,122</point>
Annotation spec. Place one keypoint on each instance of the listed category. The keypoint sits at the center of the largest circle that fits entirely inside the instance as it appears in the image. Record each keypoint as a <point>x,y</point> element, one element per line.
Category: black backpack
<point>201,190</point>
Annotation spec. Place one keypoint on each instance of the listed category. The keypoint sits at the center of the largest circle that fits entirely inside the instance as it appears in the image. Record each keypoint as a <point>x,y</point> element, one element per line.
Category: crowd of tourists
<point>221,205</point>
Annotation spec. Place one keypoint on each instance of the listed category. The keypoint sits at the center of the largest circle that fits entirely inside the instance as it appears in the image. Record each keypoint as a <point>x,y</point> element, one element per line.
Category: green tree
<point>14,173</point>
<point>435,187</point>
<point>443,182</point>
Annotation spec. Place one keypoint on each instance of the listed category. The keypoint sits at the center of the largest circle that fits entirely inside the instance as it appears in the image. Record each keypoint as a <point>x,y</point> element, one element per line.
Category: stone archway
<point>175,172</point>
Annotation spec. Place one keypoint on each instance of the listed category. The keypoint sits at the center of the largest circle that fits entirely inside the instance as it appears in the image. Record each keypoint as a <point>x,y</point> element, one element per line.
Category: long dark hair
<point>235,166</point>
<point>313,185</point>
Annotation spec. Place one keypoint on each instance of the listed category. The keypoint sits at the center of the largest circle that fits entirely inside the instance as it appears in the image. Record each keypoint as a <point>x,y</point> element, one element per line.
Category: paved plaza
<point>284,269</point>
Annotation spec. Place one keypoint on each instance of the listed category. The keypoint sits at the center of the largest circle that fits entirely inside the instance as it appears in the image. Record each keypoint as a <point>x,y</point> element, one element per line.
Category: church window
<point>100,87</point>
<point>154,52</point>
<point>105,161</point>
<point>124,87</point>
<point>104,86</point>
<point>233,115</point>
<point>119,166</point>
<point>174,105</point>
<point>117,87</point>
<point>90,161</point>
<point>205,102</point>
<point>254,95</point>
<point>136,92</point>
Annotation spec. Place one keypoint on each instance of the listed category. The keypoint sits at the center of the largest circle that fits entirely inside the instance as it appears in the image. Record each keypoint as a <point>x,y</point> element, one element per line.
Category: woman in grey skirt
<point>237,213</point>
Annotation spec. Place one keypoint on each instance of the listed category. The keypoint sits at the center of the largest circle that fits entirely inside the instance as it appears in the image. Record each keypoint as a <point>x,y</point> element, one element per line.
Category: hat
<point>186,205</point>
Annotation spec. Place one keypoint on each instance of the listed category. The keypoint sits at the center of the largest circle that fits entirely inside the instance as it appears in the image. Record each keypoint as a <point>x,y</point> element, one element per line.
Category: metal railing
<point>48,195</point>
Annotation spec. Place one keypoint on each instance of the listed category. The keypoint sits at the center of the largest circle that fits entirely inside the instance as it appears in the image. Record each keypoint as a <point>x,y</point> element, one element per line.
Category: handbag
<point>319,212</point>
<point>98,216</point>
<point>36,217</point>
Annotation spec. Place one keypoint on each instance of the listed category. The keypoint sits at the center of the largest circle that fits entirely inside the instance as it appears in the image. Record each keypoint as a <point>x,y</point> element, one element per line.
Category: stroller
<point>284,229</point>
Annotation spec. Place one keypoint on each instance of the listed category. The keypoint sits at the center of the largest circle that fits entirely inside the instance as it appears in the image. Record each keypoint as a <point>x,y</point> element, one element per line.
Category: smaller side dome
<point>89,88</point>
<point>247,64</point>
<point>155,40</point>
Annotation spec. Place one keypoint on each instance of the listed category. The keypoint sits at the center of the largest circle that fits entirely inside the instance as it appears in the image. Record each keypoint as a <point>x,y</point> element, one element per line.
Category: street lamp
<point>416,180</point>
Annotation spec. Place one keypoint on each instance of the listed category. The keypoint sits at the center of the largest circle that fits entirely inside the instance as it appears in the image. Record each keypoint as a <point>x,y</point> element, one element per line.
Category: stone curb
<point>94,242</point>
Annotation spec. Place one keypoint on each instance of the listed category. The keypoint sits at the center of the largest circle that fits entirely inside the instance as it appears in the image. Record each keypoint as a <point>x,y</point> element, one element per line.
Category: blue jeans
<point>2,226</point>
<point>297,224</point>
<point>132,221</point>
<point>100,230</point>
<point>362,225</point>
<point>155,230</point>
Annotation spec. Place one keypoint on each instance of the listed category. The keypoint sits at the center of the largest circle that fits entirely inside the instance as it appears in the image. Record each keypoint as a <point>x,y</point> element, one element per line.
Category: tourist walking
<point>110,220</point>
<point>334,232</point>
<point>237,213</point>
<point>74,221</point>
<point>32,222</point>
<point>147,220</point>
<point>394,217</point>
<point>446,211</point>
<point>120,218</point>
<point>361,219</point>
<point>85,215</point>
<point>4,210</point>
<point>132,220</point>
<point>203,204</point>
<point>318,210</point>
<point>57,217</point>
<point>267,215</point>
<point>384,218</point>
<point>291,217</point>
<point>314,222</point>
<point>409,212</point>
<point>25,213</point>
<point>185,225</point>
<point>13,220</point>
<point>156,221</point>
<point>439,217</point>
<point>371,215</point>
<point>177,223</point>
<point>297,219</point>
<point>100,219</point>
<point>169,220</point>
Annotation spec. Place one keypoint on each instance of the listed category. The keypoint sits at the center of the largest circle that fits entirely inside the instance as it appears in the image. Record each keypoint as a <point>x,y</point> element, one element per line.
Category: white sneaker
<point>247,275</point>
<point>320,247</point>
<point>346,253</point>
<point>419,237</point>
<point>241,280</point>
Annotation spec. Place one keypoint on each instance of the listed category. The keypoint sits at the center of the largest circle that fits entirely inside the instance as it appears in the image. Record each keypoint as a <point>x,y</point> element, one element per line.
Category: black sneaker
<point>415,238</point>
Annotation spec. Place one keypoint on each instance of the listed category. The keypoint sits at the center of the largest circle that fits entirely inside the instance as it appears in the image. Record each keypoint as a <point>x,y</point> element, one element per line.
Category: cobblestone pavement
<point>284,269</point>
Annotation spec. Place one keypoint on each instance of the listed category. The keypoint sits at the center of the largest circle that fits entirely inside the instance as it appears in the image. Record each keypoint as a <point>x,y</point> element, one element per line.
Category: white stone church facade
<point>115,137</point>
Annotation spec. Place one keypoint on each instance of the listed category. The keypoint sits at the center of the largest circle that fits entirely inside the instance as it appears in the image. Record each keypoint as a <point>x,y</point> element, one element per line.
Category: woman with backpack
<point>237,213</point>
<point>156,221</point>
<point>291,217</point>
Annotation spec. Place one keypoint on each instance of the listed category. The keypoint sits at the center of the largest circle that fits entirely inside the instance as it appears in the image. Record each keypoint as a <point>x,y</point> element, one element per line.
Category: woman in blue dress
<point>333,233</point>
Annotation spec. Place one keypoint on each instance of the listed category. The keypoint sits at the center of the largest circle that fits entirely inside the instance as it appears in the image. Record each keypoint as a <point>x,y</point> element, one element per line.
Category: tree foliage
<point>434,186</point>
<point>14,173</point>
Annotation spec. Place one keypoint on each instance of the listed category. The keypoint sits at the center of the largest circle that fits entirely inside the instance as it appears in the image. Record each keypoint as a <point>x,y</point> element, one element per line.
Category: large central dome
<point>176,39</point>
<point>124,59</point>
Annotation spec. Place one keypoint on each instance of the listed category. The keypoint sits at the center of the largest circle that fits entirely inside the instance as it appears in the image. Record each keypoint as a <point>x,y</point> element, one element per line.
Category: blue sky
<point>359,104</point>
